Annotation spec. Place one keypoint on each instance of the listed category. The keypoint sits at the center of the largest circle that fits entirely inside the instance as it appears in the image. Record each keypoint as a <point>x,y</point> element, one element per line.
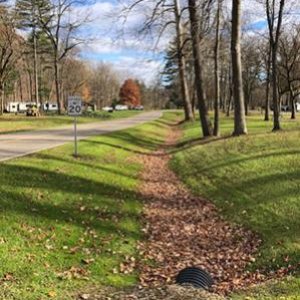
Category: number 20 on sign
<point>75,110</point>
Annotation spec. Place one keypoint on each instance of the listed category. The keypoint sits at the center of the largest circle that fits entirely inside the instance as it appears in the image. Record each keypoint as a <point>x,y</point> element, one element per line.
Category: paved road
<point>20,144</point>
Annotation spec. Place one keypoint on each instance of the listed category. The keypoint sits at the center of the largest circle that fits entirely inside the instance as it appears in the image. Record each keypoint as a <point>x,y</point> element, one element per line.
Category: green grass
<point>287,289</point>
<point>56,211</point>
<point>255,181</point>
<point>15,123</point>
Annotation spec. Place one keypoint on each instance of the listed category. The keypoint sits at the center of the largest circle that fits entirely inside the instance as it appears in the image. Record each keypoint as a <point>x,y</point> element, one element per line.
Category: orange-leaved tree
<point>130,93</point>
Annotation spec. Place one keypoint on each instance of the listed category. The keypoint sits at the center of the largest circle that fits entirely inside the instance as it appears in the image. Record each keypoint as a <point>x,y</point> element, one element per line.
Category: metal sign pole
<point>75,137</point>
<point>75,110</point>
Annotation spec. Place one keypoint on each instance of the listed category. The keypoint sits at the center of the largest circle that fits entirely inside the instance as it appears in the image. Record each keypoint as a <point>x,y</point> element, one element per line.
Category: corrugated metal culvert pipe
<point>195,277</point>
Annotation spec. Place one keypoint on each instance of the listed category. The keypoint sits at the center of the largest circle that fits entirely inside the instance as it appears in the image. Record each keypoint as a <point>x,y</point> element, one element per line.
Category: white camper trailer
<point>51,107</point>
<point>12,107</point>
<point>22,108</point>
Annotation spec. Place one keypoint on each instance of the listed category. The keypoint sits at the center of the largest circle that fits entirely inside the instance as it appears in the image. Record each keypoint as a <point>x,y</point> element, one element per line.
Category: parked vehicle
<point>22,107</point>
<point>50,107</point>
<point>140,107</point>
<point>12,107</point>
<point>32,111</point>
<point>108,109</point>
<point>121,107</point>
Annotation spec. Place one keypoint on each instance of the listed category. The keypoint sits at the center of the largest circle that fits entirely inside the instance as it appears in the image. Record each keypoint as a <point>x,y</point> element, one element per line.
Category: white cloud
<point>114,39</point>
<point>111,35</point>
<point>142,69</point>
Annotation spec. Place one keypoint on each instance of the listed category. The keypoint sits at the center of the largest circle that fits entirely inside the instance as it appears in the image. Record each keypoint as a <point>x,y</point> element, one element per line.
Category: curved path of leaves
<point>183,230</point>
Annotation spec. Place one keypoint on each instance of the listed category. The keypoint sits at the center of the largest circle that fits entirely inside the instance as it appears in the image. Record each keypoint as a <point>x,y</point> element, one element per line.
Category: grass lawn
<point>15,123</point>
<point>68,223</point>
<point>255,181</point>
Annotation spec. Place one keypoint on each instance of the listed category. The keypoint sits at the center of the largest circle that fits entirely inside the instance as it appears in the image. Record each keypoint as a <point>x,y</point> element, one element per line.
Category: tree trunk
<point>204,117</point>
<point>276,104</point>
<point>240,126</point>
<point>217,73</point>
<point>2,99</point>
<point>57,86</point>
<point>21,89</point>
<point>30,86</point>
<point>194,96</point>
<point>293,106</point>
<point>247,104</point>
<point>230,90</point>
<point>36,79</point>
<point>224,90</point>
<point>188,109</point>
<point>267,103</point>
<point>274,39</point>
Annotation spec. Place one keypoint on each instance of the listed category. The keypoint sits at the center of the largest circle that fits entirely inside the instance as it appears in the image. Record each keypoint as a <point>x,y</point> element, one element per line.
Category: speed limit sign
<point>74,106</point>
<point>75,110</point>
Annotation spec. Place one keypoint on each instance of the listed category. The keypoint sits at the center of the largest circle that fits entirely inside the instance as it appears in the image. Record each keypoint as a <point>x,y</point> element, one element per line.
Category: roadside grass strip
<point>69,223</point>
<point>17,123</point>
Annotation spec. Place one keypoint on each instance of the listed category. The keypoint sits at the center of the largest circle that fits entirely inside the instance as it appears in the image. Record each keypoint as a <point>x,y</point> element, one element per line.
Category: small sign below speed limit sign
<point>74,106</point>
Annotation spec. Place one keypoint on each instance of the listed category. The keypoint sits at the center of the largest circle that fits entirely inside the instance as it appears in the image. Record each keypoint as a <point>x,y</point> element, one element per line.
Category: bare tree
<point>240,126</point>
<point>267,63</point>
<point>27,15</point>
<point>105,84</point>
<point>252,66</point>
<point>274,17</point>
<point>8,50</point>
<point>182,62</point>
<point>198,69</point>
<point>62,28</point>
<point>217,69</point>
<point>289,66</point>
<point>163,15</point>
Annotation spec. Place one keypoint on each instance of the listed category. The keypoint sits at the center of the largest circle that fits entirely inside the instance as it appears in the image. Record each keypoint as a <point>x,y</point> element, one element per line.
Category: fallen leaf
<point>52,294</point>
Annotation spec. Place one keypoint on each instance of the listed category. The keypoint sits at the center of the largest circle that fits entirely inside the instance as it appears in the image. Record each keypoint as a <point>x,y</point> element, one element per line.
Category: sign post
<point>75,137</point>
<point>75,110</point>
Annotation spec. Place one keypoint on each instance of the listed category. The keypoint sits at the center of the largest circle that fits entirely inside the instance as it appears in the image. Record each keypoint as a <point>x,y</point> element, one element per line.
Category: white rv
<point>50,107</point>
<point>12,107</point>
<point>121,107</point>
<point>22,107</point>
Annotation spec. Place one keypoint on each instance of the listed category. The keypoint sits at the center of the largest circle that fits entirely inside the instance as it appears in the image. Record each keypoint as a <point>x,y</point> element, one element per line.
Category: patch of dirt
<point>171,292</point>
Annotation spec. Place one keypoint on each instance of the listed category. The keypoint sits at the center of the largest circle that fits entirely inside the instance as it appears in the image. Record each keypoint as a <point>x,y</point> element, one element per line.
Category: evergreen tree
<point>28,14</point>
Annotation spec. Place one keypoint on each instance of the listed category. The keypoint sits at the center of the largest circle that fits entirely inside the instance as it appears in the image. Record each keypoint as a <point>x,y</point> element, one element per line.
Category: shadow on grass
<point>80,161</point>
<point>72,187</point>
<point>242,160</point>
<point>152,144</point>
<point>130,138</point>
<point>170,123</point>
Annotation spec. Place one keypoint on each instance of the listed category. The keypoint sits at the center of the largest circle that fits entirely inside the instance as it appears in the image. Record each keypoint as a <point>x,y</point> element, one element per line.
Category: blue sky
<point>131,56</point>
<point>135,58</point>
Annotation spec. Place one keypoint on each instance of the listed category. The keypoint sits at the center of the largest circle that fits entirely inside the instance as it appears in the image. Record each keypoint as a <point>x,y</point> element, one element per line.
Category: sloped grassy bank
<point>254,181</point>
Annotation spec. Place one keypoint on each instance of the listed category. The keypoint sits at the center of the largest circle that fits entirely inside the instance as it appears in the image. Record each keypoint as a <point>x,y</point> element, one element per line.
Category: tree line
<point>213,62</point>
<point>217,60</point>
<point>40,62</point>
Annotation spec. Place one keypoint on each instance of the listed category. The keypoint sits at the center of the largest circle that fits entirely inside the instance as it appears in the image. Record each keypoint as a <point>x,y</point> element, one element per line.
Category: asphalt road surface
<point>24,143</point>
